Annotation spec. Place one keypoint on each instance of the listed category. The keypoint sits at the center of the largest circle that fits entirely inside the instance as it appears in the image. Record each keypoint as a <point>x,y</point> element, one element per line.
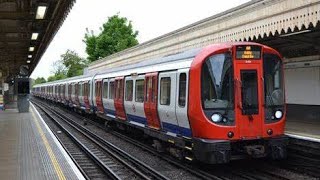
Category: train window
<point>182,89</point>
<point>80,90</point>
<point>165,90</point>
<point>139,90</point>
<point>217,82</point>
<point>272,68</point>
<point>129,90</point>
<point>88,89</point>
<point>105,90</point>
<point>149,89</point>
<point>96,90</point>
<point>111,90</point>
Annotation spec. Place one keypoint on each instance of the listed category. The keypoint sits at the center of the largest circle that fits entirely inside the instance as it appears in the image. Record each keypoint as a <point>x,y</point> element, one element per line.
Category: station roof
<point>26,29</point>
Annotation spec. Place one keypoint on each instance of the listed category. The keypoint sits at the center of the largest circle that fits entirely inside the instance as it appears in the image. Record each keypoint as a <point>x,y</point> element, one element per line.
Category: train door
<point>98,96</point>
<point>249,98</point>
<point>133,99</point>
<point>150,102</point>
<point>166,102</point>
<point>128,98</point>
<point>182,102</point>
<point>118,100</point>
<point>76,97</point>
<point>86,94</point>
<point>108,102</point>
<point>105,86</point>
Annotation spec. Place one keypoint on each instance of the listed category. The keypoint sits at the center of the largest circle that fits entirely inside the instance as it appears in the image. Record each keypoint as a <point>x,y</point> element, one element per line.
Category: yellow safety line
<point>54,161</point>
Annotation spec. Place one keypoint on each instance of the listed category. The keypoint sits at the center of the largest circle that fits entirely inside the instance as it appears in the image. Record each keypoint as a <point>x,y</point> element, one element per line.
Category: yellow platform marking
<point>53,158</point>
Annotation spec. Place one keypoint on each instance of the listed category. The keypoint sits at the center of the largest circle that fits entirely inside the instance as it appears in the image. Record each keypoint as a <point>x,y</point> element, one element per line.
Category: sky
<point>150,18</point>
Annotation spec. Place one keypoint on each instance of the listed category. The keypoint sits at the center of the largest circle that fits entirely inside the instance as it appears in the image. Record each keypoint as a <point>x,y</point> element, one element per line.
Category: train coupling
<point>256,151</point>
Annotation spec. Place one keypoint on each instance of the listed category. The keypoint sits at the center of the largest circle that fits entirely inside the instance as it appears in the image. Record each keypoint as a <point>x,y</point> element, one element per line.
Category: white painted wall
<point>303,86</point>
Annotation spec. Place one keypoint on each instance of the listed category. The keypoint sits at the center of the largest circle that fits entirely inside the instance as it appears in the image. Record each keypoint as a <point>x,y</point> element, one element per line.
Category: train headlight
<point>278,114</point>
<point>216,118</point>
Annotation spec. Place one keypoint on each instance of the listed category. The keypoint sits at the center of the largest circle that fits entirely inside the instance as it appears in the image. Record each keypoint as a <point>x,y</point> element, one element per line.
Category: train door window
<point>111,90</point>
<point>165,88</point>
<point>80,90</point>
<point>149,90</point>
<point>96,89</point>
<point>105,90</point>
<point>129,90</point>
<point>182,89</point>
<point>139,90</point>
<point>85,91</point>
<point>87,88</point>
<point>249,91</point>
<point>99,89</point>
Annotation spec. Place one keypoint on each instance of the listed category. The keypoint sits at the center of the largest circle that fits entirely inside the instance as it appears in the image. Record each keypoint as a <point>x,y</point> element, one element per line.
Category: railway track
<point>112,161</point>
<point>243,169</point>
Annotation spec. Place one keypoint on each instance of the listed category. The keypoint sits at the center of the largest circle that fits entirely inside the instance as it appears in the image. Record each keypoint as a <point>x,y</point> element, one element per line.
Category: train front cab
<point>237,104</point>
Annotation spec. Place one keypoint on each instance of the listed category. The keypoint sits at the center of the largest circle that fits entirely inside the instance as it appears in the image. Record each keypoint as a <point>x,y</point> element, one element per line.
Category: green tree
<point>74,63</point>
<point>39,80</point>
<point>117,34</point>
<point>59,71</point>
<point>70,64</point>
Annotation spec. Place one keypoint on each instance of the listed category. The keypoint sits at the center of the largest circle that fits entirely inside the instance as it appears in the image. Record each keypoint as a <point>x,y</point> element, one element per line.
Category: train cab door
<point>166,102</point>
<point>151,100</point>
<point>118,100</point>
<point>249,97</point>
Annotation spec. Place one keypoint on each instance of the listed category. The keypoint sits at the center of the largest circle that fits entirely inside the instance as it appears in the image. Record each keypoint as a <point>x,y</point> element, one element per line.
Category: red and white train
<point>208,103</point>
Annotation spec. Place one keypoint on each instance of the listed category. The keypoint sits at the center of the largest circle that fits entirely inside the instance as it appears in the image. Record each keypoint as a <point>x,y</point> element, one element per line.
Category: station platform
<point>303,129</point>
<point>29,150</point>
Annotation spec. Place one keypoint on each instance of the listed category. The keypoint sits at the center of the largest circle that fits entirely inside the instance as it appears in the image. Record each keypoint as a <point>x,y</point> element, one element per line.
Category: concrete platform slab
<point>303,128</point>
<point>29,150</point>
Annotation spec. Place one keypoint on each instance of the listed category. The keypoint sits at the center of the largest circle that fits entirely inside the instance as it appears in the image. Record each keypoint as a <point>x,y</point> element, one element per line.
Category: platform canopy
<point>26,29</point>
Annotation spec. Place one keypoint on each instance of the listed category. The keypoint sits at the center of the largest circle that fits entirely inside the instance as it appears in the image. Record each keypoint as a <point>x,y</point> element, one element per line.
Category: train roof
<point>169,62</point>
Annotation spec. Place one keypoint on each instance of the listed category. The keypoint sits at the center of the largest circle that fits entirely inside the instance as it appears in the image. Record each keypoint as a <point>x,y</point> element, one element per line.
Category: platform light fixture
<point>41,11</point>
<point>28,61</point>
<point>30,56</point>
<point>31,48</point>
<point>34,36</point>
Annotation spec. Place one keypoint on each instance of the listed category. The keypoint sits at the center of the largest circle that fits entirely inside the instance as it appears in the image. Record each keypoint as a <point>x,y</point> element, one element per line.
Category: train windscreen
<point>273,86</point>
<point>217,82</point>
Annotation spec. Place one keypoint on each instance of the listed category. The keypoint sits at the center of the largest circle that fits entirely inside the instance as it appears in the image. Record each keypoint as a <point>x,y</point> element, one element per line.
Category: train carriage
<point>208,103</point>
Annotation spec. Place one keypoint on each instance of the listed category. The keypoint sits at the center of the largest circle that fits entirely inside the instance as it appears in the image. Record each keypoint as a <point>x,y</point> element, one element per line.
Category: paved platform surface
<point>305,128</point>
<point>29,150</point>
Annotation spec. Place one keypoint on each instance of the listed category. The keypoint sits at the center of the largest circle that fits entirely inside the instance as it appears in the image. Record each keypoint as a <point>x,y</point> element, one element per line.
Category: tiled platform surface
<point>29,151</point>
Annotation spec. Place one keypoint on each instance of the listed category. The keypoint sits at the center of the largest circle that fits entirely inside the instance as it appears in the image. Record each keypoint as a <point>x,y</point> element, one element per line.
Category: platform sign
<point>248,52</point>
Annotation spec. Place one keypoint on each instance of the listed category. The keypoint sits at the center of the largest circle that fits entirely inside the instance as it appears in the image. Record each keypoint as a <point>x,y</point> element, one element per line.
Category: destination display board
<point>248,52</point>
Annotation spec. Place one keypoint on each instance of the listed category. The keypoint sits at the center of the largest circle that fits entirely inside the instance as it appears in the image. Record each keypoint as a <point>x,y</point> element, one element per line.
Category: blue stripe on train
<point>166,126</point>
<point>176,129</point>
<point>109,111</point>
<point>138,119</point>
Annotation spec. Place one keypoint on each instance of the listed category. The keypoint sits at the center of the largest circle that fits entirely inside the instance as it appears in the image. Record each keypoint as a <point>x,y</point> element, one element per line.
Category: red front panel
<point>118,100</point>
<point>247,125</point>
<point>98,96</point>
<point>150,103</point>
<point>248,81</point>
